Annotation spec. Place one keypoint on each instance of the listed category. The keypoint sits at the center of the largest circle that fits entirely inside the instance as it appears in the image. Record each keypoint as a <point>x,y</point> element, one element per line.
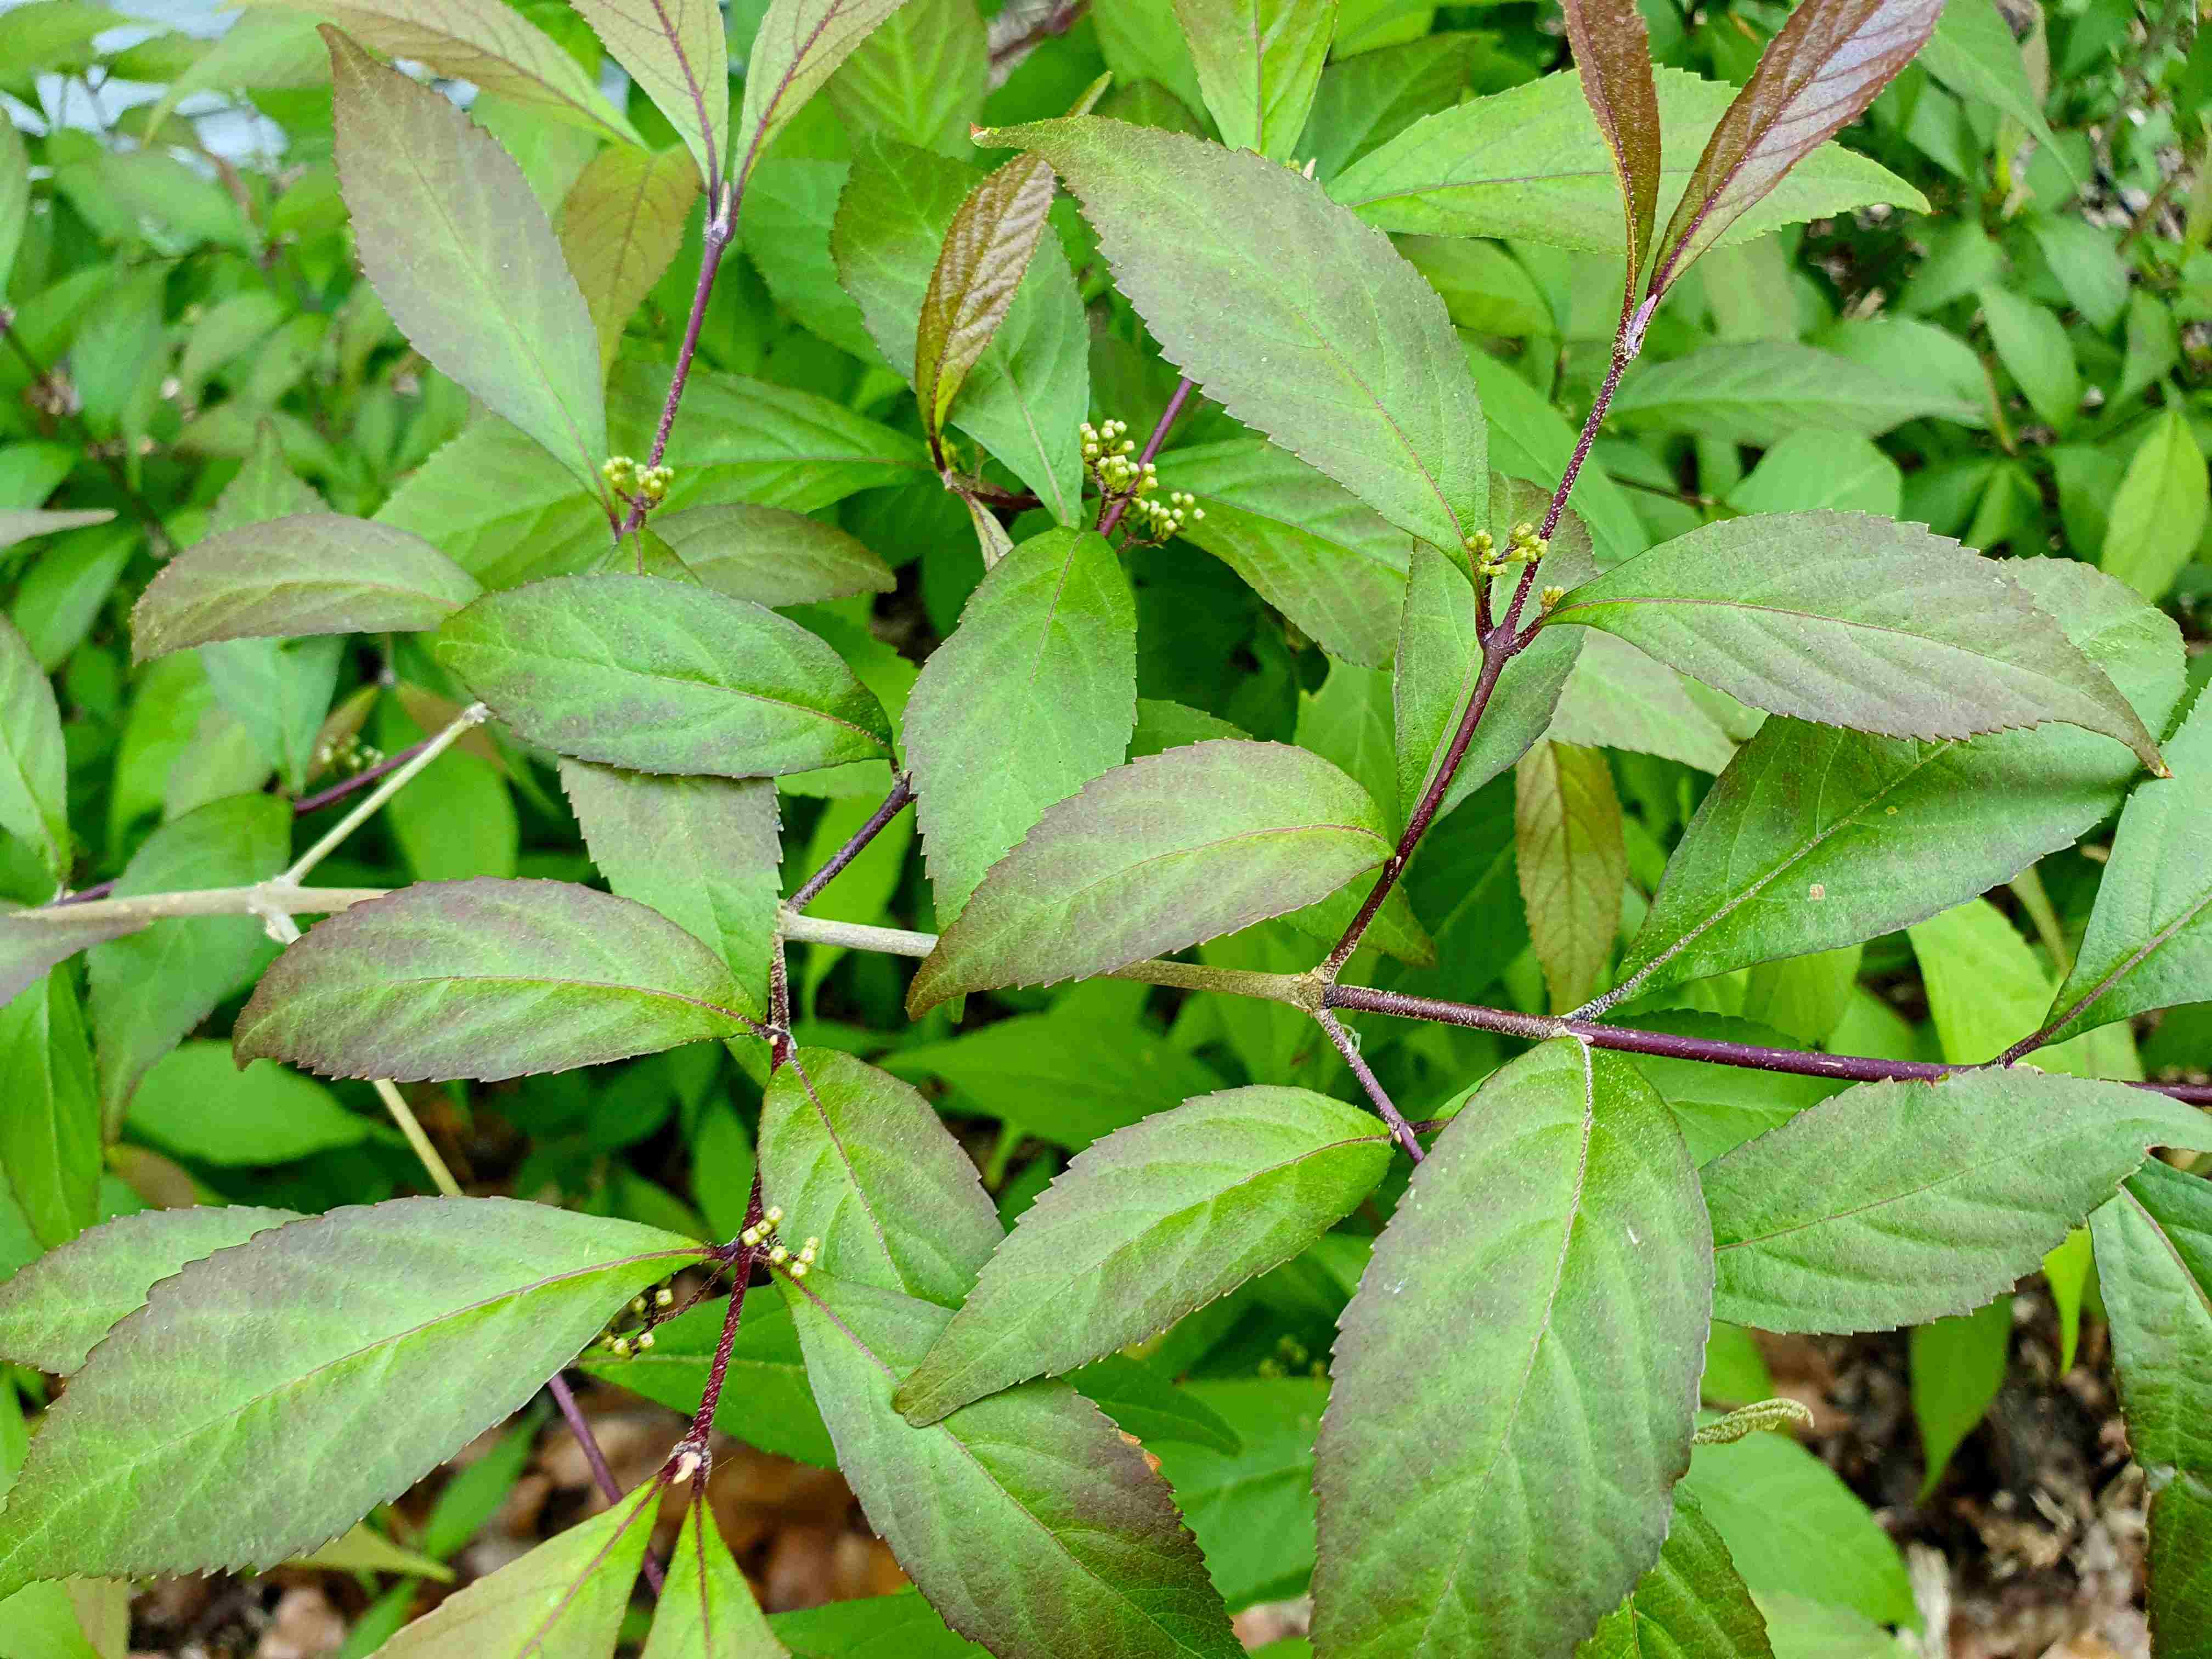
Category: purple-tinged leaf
<point>1160,854</point>
<point>1302,322</point>
<point>800,45</point>
<point>1691,1605</point>
<point>33,939</point>
<point>482,42</point>
<point>1517,1379</point>
<point>620,226</point>
<point>486,979</point>
<point>313,1372</point>
<point>1816,77</point>
<point>1612,50</point>
<point>463,257</point>
<point>986,252</point>
<point>1259,62</point>
<point>1856,621</point>
<point>318,573</point>
<point>1145,1225</point>
<point>1956,1189</point>
<point>1027,1519</point>
<point>706,1609</point>
<point>662,677</point>
<point>676,50</point>
<point>1033,696</point>
<point>53,1311</point>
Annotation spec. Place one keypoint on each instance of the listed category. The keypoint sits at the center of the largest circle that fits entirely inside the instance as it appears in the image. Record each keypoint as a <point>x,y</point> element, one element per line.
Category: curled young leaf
<point>1818,74</point>
<point>986,253</point>
<point>463,257</point>
<point>315,572</point>
<point>1612,50</point>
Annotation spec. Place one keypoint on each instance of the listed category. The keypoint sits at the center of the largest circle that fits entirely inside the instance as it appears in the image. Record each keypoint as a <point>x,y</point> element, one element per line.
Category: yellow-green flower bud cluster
<point>762,1236</point>
<point>1522,546</point>
<point>627,478</point>
<point>631,1332</point>
<point>347,755</point>
<point>1108,455</point>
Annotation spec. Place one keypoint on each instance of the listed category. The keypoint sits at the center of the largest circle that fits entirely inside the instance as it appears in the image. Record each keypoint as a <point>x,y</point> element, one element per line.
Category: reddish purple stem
<point>1849,1068</point>
<point>579,1425</point>
<point>901,793</point>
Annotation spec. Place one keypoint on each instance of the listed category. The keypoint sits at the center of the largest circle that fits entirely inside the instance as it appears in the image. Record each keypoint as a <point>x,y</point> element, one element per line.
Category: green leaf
<point>2149,939</point>
<point>1530,1329</point>
<point>2158,514</point>
<point>861,1161</point>
<point>53,1311</point>
<point>2153,1245</point>
<point>772,557</point>
<point>1024,395</point>
<point>1531,440</point>
<point>1369,98</point>
<point>364,1549</point>
<point>1986,989</point>
<point>1240,267</point>
<point>1857,621</point>
<point>707,1610</point>
<point>313,574</point>
<point>1258,63</point>
<point>2083,258</point>
<point>1319,555</point>
<point>486,979</point>
<point>320,1369</point>
<point>278,692</point>
<point>1143,1402</point>
<point>34,769</point>
<point>1893,1203</point>
<point>1529,163</point>
<point>799,45</point>
<point>920,77</point>
<point>475,1492</point>
<point>1822,469</point>
<point>1616,697</point>
<point>564,1600</point>
<point>767,1402</point>
<point>1759,392</point>
<point>790,206</point>
<point>1030,1524</point>
<point>50,1134</point>
<point>1816,837</point>
<point>1613,54</point>
<point>484,43</point>
<point>2032,344</point>
<point>1160,854</point>
<point>677,52</point>
<point>901,1626</point>
<point>150,990</point>
<point>1794,1529</point>
<point>266,1114</point>
<point>1147,1226</point>
<point>1061,1076</point>
<point>1253,1509</point>
<point>1815,76</point>
<point>620,226</point>
<point>1440,656</point>
<point>1690,1605</point>
<point>2181,1567</point>
<point>1034,696</point>
<point>1972,51</point>
<point>704,852</point>
<point>1957,1366</point>
<point>457,818</point>
<point>661,676</point>
<point>14,198</point>
<point>1573,863</point>
<point>463,257</point>
<point>500,508</point>
<point>19,525</point>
